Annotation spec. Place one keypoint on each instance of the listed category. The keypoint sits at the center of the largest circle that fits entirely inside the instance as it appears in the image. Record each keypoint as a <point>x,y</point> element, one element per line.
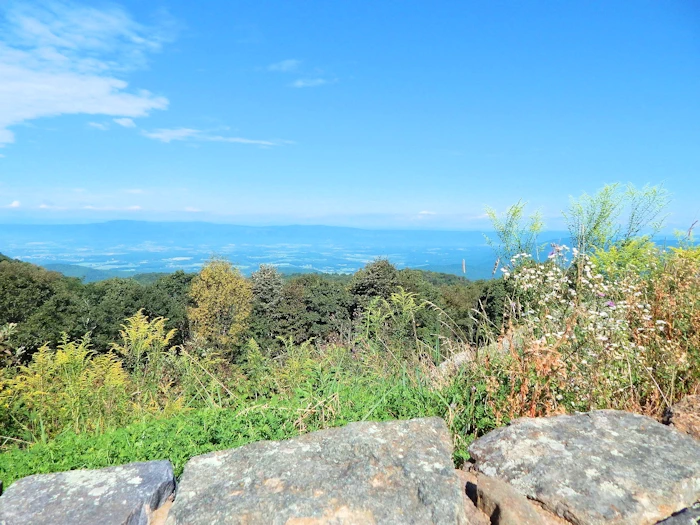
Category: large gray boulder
<point>127,494</point>
<point>605,466</point>
<point>400,472</point>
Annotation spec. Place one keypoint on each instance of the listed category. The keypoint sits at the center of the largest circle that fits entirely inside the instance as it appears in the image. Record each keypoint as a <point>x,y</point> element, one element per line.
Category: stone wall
<point>600,467</point>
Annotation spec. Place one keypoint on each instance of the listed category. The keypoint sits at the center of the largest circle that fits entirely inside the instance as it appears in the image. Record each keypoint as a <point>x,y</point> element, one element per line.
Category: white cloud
<point>285,66</point>
<point>169,135</point>
<point>309,82</point>
<point>427,213</point>
<point>14,204</point>
<point>111,208</point>
<point>97,125</point>
<point>125,122</point>
<point>60,58</point>
<point>49,206</point>
<point>135,191</point>
<point>237,140</point>
<point>190,209</point>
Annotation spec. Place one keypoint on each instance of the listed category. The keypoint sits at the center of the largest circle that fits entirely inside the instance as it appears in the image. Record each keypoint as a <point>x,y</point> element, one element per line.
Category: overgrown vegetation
<point>613,322</point>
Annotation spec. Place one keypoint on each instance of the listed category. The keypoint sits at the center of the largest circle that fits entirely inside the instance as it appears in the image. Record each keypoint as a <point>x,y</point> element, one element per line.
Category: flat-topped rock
<point>123,495</point>
<point>398,472</point>
<point>605,466</point>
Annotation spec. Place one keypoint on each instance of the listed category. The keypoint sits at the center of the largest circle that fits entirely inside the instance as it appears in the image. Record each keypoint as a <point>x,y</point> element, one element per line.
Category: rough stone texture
<point>605,466</point>
<point>504,505</point>
<point>684,416</point>
<point>116,495</point>
<point>398,472</point>
<point>689,516</point>
<point>476,516</point>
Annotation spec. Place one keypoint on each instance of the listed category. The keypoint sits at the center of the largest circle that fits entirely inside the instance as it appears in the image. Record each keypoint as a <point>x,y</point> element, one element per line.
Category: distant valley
<point>126,248</point>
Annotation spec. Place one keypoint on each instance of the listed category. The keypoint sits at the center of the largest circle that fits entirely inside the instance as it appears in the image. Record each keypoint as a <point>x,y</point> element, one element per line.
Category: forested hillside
<point>45,305</point>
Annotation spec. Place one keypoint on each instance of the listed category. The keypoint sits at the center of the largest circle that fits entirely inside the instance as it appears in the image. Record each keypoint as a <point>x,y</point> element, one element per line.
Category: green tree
<point>312,307</point>
<point>267,295</point>
<point>168,297</point>
<point>109,303</point>
<point>516,233</point>
<point>615,214</point>
<point>379,278</point>
<point>461,300</point>
<point>24,287</point>
<point>222,300</point>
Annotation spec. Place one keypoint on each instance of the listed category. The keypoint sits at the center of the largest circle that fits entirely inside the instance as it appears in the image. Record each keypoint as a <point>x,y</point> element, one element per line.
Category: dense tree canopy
<point>227,309</point>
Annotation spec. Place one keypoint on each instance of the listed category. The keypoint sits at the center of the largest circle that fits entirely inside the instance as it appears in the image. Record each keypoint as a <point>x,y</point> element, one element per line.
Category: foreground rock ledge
<point>605,466</point>
<point>398,472</point>
<point>111,496</point>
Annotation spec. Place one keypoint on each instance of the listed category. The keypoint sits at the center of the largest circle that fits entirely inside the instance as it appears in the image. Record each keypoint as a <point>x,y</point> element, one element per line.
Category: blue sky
<point>375,114</point>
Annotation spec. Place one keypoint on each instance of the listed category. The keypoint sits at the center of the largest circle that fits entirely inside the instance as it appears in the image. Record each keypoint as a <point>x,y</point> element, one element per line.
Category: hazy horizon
<point>131,247</point>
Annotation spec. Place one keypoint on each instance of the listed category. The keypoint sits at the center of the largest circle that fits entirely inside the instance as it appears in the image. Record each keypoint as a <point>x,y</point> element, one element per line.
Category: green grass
<point>187,434</point>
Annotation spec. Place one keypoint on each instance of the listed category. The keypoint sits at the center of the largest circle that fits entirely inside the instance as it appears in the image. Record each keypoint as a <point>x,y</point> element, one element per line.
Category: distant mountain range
<point>126,248</point>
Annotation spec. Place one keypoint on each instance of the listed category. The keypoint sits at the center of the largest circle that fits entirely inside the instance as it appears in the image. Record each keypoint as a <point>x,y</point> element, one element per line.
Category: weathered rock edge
<point>122,495</point>
<point>396,472</point>
<point>503,504</point>
<point>604,466</point>
<point>684,416</point>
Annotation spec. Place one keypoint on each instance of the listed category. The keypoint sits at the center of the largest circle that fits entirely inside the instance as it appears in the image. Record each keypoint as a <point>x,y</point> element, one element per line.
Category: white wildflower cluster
<point>576,305</point>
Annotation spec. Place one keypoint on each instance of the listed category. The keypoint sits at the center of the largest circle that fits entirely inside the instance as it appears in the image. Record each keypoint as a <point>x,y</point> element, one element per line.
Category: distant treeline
<point>323,307</point>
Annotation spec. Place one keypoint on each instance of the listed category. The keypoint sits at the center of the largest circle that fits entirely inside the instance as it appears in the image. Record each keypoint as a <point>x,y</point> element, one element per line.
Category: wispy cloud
<point>91,207</point>
<point>14,204</point>
<point>135,191</point>
<point>309,82</point>
<point>49,206</point>
<point>427,213</point>
<point>98,125</point>
<point>169,135</point>
<point>285,66</point>
<point>238,140</point>
<point>190,209</point>
<point>125,122</point>
<point>61,58</point>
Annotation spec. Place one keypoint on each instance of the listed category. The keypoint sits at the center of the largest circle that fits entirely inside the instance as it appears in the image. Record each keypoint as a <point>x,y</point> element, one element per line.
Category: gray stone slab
<point>605,466</point>
<point>115,495</point>
<point>399,472</point>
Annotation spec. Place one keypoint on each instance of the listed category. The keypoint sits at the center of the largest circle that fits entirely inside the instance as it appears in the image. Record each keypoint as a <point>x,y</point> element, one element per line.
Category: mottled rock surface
<point>504,505</point>
<point>605,466</point>
<point>126,494</point>
<point>476,516</point>
<point>399,472</point>
<point>684,416</point>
